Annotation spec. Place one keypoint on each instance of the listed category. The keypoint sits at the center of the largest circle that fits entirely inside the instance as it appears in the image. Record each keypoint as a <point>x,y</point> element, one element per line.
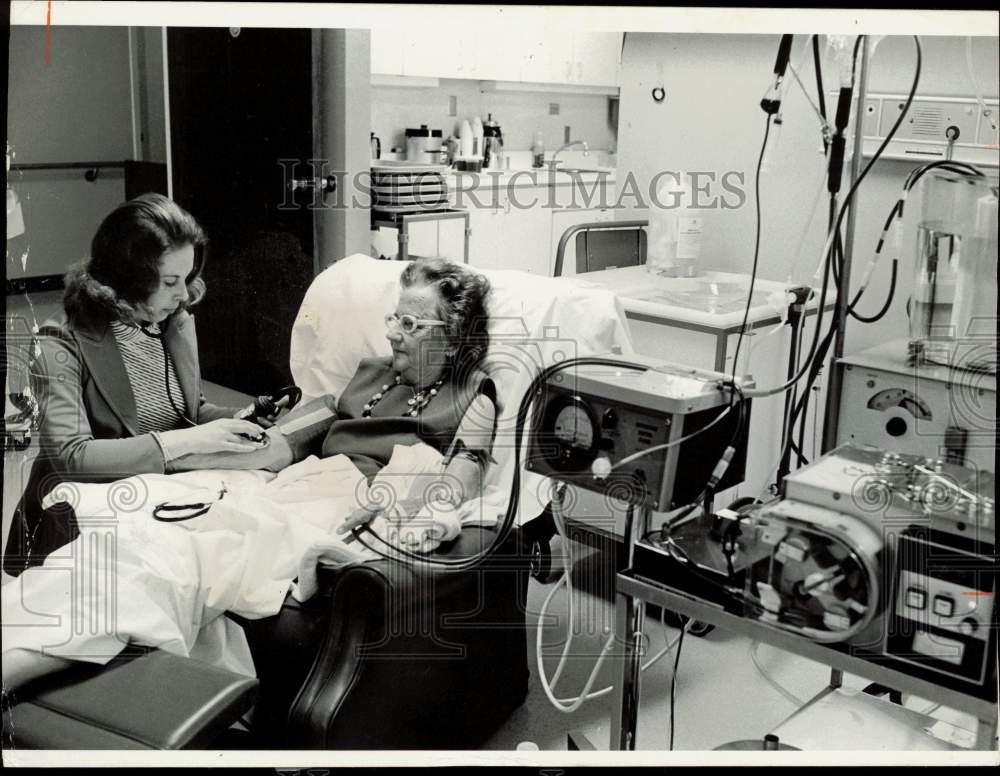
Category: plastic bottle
<point>454,149</point>
<point>538,151</point>
<point>477,137</point>
<point>465,138</point>
<point>675,230</point>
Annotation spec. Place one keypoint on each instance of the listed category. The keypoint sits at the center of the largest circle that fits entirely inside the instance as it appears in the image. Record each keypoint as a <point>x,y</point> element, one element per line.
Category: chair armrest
<point>154,701</point>
<point>418,657</point>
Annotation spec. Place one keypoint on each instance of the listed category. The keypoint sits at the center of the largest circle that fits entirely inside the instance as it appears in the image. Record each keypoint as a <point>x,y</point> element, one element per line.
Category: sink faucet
<point>555,157</point>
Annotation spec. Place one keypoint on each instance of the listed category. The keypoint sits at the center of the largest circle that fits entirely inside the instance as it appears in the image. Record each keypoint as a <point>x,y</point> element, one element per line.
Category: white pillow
<point>342,320</point>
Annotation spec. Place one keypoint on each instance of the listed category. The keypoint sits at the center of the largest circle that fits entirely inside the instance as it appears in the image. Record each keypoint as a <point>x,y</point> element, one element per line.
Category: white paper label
<point>689,237</point>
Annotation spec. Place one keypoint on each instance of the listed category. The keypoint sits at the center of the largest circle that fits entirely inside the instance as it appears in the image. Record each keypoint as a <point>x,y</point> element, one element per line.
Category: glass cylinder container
<point>953,310</point>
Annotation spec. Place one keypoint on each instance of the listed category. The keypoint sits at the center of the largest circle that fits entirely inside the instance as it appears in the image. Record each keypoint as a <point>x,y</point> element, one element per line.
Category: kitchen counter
<point>526,189</point>
<point>533,177</point>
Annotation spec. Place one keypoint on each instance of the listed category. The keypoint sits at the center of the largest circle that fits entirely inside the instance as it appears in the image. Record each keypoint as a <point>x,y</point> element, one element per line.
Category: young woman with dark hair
<point>117,377</point>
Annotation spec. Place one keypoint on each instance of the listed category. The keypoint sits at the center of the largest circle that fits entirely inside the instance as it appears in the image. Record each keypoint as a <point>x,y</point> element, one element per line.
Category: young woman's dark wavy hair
<point>124,265</point>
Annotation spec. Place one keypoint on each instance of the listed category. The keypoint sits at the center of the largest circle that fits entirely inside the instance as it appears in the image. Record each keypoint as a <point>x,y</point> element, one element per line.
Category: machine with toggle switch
<point>936,563</point>
<point>589,424</point>
<point>886,557</point>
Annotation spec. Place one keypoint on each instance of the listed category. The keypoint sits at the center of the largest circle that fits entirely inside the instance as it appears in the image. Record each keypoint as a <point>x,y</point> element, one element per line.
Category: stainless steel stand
<point>633,592</point>
<point>401,223</point>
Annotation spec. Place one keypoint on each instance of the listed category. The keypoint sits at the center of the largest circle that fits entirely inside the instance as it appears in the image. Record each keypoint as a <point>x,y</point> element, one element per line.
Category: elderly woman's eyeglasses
<point>408,324</point>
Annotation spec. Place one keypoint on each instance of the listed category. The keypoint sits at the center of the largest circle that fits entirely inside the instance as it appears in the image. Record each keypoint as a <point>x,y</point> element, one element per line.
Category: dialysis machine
<point>880,557</point>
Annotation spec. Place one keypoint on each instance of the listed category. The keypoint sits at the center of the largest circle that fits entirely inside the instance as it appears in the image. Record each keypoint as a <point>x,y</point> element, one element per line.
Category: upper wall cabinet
<point>387,47</point>
<point>596,58</point>
<point>553,57</point>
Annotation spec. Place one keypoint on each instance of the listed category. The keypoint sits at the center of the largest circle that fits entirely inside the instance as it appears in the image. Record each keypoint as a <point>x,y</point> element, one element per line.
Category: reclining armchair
<point>387,655</point>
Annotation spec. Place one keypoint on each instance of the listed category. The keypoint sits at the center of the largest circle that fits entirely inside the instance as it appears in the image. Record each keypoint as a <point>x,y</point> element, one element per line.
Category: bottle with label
<point>538,151</point>
<point>477,137</point>
<point>675,230</point>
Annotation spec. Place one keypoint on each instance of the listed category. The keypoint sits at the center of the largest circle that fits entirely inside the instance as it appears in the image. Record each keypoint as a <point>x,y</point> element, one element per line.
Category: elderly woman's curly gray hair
<point>464,296</point>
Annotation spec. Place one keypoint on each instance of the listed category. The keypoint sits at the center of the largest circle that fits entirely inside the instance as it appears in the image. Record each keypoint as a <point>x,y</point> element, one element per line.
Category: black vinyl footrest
<point>154,701</point>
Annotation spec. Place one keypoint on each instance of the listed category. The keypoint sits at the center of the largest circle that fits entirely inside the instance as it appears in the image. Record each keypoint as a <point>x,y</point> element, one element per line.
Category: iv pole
<point>831,416</point>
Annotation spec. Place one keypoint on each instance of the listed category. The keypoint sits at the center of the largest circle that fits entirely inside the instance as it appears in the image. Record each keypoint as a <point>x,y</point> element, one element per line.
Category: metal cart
<point>401,221</point>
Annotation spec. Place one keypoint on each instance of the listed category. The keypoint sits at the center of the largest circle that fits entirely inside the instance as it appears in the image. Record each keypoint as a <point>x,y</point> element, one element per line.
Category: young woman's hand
<point>225,435</point>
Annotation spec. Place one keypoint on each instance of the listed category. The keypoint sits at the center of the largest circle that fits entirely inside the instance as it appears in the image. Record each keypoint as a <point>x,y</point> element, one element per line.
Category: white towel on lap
<point>129,577</point>
<point>413,472</point>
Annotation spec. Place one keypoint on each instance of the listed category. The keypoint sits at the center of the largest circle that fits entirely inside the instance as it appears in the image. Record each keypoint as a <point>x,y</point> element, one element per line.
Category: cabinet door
<point>433,58</point>
<point>596,57</point>
<point>498,59</point>
<point>524,231</point>
<point>532,58</point>
<point>387,47</point>
<point>437,237</point>
<point>483,236</point>
<point>560,61</point>
<point>546,56</point>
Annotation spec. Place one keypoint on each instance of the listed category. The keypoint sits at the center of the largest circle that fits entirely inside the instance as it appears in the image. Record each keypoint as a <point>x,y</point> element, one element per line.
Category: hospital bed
<point>603,245</point>
<point>386,655</point>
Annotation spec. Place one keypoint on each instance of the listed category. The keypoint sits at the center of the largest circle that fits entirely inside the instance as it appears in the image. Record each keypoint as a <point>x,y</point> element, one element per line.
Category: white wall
<point>76,108</point>
<point>711,120</point>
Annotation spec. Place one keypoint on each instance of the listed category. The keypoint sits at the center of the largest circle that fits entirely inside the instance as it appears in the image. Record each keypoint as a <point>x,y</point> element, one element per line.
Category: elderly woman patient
<point>424,415</point>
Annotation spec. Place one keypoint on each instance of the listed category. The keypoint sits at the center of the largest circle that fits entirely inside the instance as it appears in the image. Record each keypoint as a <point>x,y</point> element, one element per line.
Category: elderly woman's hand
<point>417,535</point>
<point>406,528</point>
<point>358,518</point>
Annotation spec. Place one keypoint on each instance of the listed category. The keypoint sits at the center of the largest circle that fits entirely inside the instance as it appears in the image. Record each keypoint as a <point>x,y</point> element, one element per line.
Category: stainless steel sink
<point>594,170</point>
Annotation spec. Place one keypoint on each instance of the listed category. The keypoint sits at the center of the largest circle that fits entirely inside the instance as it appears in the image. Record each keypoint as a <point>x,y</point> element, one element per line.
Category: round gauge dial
<point>572,428</point>
<point>900,397</point>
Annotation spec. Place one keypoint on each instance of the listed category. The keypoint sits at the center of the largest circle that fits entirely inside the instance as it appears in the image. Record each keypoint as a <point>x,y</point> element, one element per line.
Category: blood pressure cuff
<point>482,458</point>
<point>305,426</point>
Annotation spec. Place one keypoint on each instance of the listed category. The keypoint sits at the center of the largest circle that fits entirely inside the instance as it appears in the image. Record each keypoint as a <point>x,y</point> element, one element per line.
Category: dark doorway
<point>240,100</point>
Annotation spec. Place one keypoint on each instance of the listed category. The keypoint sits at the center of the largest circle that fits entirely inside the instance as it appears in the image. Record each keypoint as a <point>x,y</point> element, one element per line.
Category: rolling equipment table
<point>634,592</point>
<point>400,221</point>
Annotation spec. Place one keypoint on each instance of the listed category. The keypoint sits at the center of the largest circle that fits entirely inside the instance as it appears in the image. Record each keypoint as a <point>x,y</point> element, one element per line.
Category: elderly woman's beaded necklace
<point>415,404</point>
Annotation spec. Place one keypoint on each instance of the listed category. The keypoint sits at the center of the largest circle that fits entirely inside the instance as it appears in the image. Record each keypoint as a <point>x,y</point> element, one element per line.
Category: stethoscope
<point>158,335</point>
<point>167,512</point>
<point>178,513</point>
